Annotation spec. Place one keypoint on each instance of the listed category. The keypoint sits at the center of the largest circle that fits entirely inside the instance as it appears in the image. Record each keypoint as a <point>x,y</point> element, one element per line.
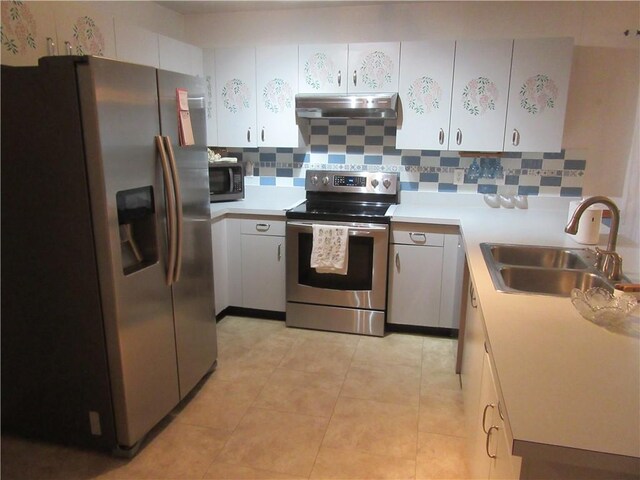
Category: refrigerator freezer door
<point>193,303</point>
<point>120,120</point>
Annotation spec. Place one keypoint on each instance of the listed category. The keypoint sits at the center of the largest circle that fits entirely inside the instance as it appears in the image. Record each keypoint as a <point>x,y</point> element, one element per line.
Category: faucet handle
<point>612,266</point>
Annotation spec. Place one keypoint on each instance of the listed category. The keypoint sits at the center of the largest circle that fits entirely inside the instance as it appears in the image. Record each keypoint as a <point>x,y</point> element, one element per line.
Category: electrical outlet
<point>458,176</point>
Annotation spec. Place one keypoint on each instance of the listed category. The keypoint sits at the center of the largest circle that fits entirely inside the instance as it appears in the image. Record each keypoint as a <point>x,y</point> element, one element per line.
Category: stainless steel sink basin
<point>542,270</point>
<point>544,257</point>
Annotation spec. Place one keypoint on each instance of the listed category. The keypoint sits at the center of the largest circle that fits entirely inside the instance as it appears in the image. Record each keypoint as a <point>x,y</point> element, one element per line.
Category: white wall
<point>606,69</point>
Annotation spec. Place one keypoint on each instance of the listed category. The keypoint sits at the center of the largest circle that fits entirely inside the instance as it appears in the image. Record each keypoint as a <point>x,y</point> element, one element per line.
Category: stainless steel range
<point>355,301</point>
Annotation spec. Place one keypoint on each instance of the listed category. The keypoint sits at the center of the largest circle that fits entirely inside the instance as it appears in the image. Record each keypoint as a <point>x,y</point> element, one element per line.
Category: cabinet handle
<point>459,137</point>
<point>472,295</point>
<point>279,251</point>
<point>484,416</point>
<point>515,139</point>
<point>500,411</point>
<point>355,78</point>
<point>51,47</point>
<point>486,347</point>
<point>262,134</point>
<point>488,440</point>
<point>422,238</point>
<point>262,227</point>
<point>339,78</point>
<point>68,48</point>
<point>441,137</point>
<point>398,261</point>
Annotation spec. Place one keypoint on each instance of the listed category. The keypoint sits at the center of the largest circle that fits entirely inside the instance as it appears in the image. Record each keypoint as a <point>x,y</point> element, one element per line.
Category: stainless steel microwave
<point>226,181</point>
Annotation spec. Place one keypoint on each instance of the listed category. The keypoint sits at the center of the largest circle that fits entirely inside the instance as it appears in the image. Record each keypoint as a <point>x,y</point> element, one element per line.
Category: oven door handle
<point>353,231</point>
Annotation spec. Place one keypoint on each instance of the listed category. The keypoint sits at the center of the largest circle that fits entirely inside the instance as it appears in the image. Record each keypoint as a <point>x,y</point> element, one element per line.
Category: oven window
<point>359,273</point>
<point>219,181</point>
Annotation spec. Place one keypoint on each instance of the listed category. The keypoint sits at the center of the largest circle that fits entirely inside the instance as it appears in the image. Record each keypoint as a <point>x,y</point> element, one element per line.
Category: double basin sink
<point>542,270</point>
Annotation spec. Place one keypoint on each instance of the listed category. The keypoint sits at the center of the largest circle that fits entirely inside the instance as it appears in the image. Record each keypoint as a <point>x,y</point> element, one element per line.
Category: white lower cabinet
<point>425,276</point>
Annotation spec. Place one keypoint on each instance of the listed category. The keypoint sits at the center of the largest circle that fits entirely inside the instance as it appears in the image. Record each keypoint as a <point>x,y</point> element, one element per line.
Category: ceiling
<point>222,6</point>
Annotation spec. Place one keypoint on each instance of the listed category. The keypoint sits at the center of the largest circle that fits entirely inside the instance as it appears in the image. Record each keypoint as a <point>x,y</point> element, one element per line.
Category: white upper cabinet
<point>82,31</point>
<point>177,56</point>
<point>277,85</point>
<point>538,94</point>
<point>235,73</point>
<point>373,67</point>
<point>323,68</point>
<point>28,32</point>
<point>210,97</point>
<point>426,80</point>
<point>136,45</point>
<point>480,94</point>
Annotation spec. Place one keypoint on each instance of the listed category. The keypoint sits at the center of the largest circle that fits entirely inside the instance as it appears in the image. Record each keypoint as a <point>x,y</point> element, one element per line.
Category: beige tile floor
<point>291,403</point>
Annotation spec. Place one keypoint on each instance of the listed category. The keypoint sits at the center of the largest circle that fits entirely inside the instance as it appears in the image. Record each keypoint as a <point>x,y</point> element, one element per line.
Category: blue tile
<point>528,190</point>
<point>319,129</point>
<point>554,155</point>
<point>430,177</point>
<point>301,157</point>
<point>575,164</point>
<point>335,158</point>
<point>355,130</point>
<point>267,157</point>
<point>267,180</point>
<point>337,139</point>
<point>373,159</point>
<point>550,181</point>
<point>511,179</point>
<point>391,151</point>
<point>373,140</point>
<point>570,191</point>
<point>470,181</point>
<point>531,163</point>
<point>447,187</point>
<point>430,153</point>
<point>256,171</point>
<point>512,155</point>
<point>449,161</point>
<point>607,221</point>
<point>487,189</point>
<point>251,150</point>
<point>338,121</point>
<point>284,150</point>
<point>375,121</point>
<point>284,172</point>
<point>409,160</point>
<point>319,149</point>
<point>355,149</point>
<point>409,186</point>
<point>390,131</point>
<point>298,182</point>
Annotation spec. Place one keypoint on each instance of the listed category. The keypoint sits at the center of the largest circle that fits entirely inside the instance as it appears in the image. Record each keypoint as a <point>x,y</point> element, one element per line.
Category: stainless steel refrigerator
<point>107,290</point>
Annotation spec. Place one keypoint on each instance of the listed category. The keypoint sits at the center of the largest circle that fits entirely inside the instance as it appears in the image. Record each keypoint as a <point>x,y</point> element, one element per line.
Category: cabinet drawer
<point>263,227</point>
<point>410,235</point>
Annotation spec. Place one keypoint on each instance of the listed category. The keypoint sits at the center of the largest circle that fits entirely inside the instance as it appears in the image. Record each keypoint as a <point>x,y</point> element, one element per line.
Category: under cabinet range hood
<point>361,105</point>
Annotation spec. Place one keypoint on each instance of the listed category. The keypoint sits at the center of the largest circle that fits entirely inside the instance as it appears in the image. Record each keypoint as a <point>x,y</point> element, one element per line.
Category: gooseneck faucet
<point>609,262</point>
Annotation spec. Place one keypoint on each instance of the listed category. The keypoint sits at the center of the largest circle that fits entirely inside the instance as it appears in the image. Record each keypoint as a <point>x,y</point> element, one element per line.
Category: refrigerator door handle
<point>178,208</point>
<point>169,195</point>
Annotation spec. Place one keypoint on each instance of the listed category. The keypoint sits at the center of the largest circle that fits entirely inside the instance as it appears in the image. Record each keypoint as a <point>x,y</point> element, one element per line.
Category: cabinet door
<point>480,91</point>
<point>452,266</point>
<point>28,32</point>
<point>323,68</point>
<point>82,31</point>
<point>236,96</point>
<point>414,285</point>
<point>220,257</point>
<point>263,272</point>
<point>136,45</point>
<point>538,94</point>
<point>277,85</point>
<point>373,67</point>
<point>479,460</point>
<point>426,79</point>
<point>210,97</point>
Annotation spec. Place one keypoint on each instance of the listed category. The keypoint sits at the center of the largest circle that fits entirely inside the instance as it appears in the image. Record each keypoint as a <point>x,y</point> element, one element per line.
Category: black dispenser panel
<point>137,221</point>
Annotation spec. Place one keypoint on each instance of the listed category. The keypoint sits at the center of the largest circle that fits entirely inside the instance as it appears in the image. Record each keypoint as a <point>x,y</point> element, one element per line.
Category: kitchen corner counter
<point>260,201</point>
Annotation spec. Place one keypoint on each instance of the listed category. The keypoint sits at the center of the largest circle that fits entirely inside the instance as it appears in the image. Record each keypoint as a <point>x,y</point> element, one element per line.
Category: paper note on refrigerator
<point>184,118</point>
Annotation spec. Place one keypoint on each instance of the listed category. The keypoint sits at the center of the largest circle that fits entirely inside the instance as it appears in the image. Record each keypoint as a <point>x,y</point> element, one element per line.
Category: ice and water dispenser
<point>137,225</point>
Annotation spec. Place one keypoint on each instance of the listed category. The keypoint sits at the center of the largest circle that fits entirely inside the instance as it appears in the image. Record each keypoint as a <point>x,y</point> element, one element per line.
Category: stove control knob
<point>325,180</point>
<point>386,182</point>
<point>374,183</point>
<point>314,180</point>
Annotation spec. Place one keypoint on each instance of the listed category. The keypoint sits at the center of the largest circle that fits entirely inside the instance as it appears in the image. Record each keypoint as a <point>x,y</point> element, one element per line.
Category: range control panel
<point>351,182</point>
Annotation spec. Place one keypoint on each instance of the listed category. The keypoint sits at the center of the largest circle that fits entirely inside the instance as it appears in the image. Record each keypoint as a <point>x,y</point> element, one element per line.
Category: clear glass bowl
<point>601,307</point>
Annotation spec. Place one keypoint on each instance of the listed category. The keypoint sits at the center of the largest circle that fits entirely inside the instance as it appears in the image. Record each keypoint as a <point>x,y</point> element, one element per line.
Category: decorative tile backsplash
<point>369,145</point>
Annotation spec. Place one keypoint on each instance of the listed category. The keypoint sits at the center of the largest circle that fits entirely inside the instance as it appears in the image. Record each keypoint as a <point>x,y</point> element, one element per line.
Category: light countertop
<point>565,381</point>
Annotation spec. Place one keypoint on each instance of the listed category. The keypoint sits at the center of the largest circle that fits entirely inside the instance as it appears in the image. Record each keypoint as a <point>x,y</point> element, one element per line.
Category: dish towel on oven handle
<point>330,252</point>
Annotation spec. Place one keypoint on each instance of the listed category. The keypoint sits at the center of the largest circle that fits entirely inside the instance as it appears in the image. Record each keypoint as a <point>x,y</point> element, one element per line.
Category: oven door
<point>364,285</point>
